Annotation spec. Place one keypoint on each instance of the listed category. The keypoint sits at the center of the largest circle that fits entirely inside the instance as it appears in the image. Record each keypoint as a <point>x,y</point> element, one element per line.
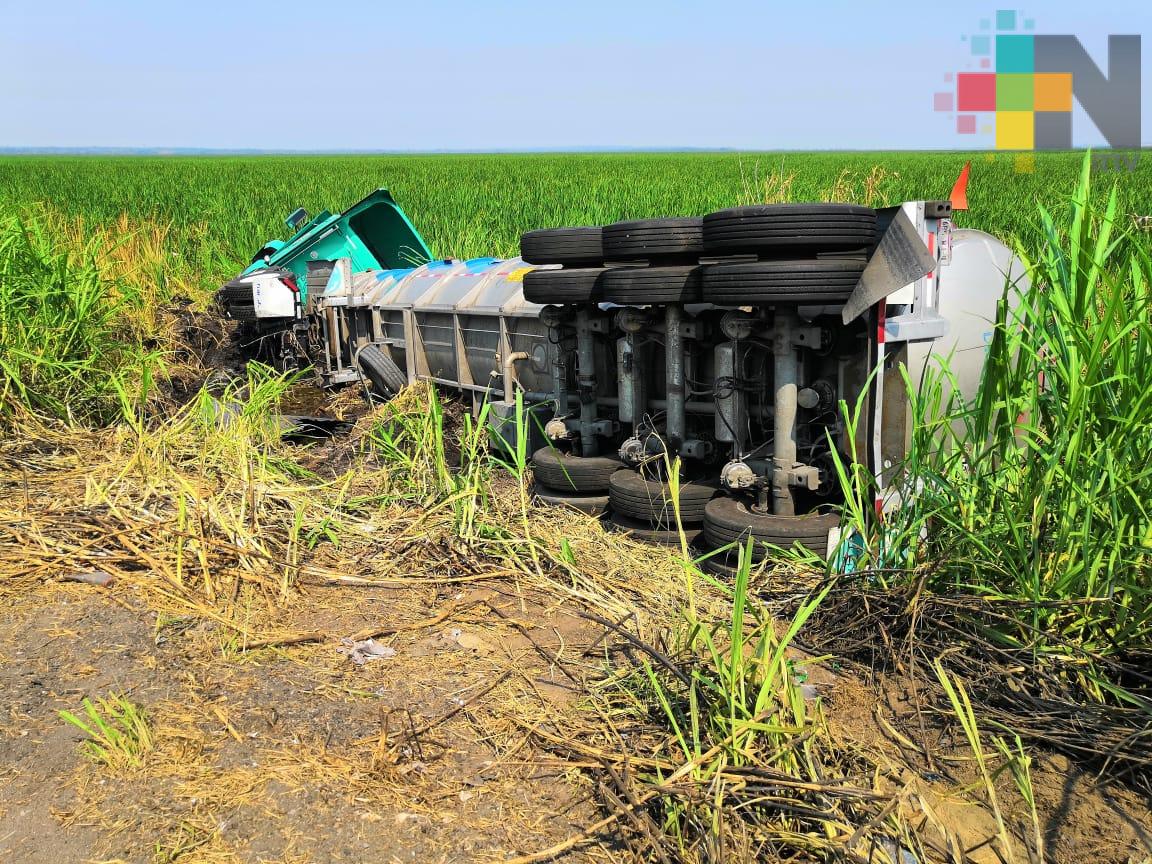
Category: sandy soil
<point>297,754</point>
<point>289,755</point>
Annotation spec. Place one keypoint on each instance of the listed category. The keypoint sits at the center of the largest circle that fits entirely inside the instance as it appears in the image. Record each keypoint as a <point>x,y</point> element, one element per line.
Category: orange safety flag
<point>959,196</point>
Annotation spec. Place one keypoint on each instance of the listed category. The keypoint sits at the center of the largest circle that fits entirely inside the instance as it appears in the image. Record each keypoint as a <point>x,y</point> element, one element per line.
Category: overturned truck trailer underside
<point>727,342</point>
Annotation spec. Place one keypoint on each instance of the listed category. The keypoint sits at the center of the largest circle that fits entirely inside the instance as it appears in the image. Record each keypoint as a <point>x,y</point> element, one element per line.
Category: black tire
<point>563,472</point>
<point>777,227</point>
<point>386,377</point>
<point>242,312</point>
<point>659,536</point>
<point>654,238</point>
<point>639,286</point>
<point>591,505</point>
<point>813,281</point>
<point>728,520</point>
<point>236,293</point>
<point>561,287</point>
<point>723,566</point>
<point>580,246</point>
<point>650,501</point>
<point>240,293</point>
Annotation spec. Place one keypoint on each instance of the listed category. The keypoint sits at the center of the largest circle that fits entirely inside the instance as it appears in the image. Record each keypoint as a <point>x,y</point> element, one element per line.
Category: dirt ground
<point>1082,815</point>
<point>297,754</point>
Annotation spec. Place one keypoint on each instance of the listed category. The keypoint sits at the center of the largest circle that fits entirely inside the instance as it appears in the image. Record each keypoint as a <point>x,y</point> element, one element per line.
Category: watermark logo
<point>1024,91</point>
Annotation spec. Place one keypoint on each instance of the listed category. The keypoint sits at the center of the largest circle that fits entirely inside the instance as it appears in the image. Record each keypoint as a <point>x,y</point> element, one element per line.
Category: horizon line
<point>607,149</point>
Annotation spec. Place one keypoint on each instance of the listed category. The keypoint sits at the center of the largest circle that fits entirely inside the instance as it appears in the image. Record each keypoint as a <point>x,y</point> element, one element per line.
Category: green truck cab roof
<point>374,232</point>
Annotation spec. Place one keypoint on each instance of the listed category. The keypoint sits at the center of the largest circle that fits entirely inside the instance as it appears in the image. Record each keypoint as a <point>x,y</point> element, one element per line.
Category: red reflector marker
<point>959,195</point>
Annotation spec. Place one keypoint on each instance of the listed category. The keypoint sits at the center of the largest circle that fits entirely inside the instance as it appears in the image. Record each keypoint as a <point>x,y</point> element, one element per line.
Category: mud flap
<point>900,259</point>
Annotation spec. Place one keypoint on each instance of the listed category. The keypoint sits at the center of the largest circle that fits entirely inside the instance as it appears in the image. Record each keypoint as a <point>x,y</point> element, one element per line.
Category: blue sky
<point>438,75</point>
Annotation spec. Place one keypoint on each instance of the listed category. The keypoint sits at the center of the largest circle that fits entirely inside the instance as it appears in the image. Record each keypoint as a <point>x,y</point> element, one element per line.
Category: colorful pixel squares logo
<point>1024,90</point>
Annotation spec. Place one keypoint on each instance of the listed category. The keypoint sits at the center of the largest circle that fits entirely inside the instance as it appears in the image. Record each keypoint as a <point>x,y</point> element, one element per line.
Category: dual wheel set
<point>644,507</point>
<point>780,256</point>
<point>801,254</point>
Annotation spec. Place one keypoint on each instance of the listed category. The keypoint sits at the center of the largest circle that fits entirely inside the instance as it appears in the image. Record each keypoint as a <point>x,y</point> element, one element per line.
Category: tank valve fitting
<point>737,475</point>
<point>827,483</point>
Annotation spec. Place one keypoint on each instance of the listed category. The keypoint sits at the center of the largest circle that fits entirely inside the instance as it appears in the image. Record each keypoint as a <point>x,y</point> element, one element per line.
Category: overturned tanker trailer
<point>726,340</point>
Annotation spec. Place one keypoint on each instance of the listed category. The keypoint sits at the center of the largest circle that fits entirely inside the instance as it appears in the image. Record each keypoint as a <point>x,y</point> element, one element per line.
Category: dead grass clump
<point>869,189</point>
<point>910,630</point>
<point>773,187</point>
<point>209,502</point>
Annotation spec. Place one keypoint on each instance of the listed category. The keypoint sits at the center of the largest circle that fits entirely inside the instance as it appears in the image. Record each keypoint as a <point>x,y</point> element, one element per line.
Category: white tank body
<point>970,287</point>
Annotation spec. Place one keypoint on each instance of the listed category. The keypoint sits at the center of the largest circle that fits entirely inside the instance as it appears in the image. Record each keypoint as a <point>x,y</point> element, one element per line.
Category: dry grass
<point>139,254</point>
<point>222,524</point>
<point>771,187</point>
<point>875,187</point>
<point>257,558</point>
<point>284,740</point>
<point>872,189</point>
